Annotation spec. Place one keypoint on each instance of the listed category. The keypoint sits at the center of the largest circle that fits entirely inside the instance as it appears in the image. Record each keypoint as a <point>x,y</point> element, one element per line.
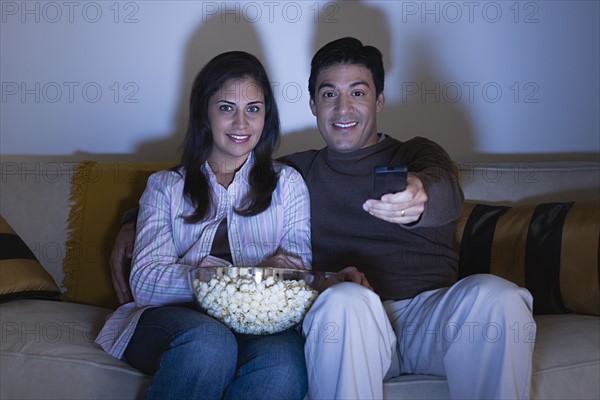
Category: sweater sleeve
<point>432,165</point>
<point>300,161</point>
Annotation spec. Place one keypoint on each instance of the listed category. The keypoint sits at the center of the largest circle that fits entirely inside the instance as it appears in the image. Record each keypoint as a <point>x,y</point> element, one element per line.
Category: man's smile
<point>345,125</point>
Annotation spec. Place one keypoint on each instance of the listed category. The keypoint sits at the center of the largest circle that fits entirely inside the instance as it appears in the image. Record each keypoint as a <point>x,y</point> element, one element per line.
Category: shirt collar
<point>242,174</point>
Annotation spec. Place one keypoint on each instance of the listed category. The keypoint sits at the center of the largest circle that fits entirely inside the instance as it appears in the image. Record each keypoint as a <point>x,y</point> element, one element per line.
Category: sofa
<point>534,223</point>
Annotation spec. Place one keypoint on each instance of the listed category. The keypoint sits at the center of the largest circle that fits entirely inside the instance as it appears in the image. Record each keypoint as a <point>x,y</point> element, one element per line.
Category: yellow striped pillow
<point>21,275</point>
<point>101,193</point>
<point>552,249</point>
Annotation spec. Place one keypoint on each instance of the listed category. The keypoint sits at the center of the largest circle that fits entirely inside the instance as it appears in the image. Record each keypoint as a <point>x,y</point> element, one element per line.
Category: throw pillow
<point>551,249</point>
<point>101,194</point>
<point>21,274</point>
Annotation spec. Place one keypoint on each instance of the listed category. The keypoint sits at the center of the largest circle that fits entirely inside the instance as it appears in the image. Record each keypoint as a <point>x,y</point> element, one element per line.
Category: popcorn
<point>251,305</point>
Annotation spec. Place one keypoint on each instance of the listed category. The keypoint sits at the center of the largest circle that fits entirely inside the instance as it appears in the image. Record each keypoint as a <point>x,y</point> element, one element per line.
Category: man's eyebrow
<point>326,85</point>
<point>359,83</point>
<point>352,85</point>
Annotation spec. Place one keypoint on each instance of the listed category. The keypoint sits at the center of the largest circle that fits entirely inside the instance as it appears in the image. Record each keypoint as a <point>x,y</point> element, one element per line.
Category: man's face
<point>346,107</point>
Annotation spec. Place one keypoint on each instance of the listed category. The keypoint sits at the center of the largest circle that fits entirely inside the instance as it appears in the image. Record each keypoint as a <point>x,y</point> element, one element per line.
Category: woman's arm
<point>296,236</point>
<point>157,277</point>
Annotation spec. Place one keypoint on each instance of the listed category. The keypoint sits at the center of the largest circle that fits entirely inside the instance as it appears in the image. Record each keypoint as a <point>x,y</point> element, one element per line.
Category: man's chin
<point>343,147</point>
<point>347,142</point>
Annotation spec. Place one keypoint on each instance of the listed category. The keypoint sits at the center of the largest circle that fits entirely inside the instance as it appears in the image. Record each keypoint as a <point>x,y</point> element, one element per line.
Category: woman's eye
<point>253,109</point>
<point>225,107</point>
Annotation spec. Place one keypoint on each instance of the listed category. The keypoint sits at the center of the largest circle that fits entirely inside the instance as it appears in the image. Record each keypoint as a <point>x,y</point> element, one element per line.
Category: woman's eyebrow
<point>233,103</point>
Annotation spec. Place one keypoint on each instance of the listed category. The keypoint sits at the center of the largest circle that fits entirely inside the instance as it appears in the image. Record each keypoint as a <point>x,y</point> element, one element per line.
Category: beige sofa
<point>47,348</point>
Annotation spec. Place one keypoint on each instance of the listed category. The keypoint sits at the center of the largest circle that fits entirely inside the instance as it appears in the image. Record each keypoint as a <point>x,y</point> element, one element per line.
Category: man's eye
<point>358,93</point>
<point>253,109</point>
<point>225,107</point>
<point>328,95</point>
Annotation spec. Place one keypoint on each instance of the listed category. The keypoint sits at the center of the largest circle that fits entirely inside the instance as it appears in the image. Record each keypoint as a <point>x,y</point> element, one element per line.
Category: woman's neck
<point>223,175</point>
<point>224,172</point>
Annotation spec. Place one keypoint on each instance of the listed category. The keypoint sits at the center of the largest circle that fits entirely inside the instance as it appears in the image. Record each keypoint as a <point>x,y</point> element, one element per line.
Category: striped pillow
<point>101,193</point>
<point>21,275</point>
<point>551,249</point>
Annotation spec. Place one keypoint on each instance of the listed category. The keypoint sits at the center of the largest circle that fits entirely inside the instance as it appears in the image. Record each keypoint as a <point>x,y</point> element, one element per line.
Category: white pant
<point>479,333</point>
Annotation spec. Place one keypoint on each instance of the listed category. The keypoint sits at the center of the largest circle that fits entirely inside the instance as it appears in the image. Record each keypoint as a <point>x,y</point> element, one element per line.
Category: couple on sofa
<point>394,307</point>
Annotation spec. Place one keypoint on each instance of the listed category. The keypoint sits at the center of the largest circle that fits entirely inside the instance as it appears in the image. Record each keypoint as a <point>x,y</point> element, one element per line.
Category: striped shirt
<point>167,248</point>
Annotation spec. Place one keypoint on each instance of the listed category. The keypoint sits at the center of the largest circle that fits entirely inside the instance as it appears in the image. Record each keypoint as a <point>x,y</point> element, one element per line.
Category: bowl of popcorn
<point>255,300</point>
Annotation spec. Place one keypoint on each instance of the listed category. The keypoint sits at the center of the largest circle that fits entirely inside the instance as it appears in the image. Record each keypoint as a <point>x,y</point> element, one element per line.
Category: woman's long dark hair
<point>198,142</point>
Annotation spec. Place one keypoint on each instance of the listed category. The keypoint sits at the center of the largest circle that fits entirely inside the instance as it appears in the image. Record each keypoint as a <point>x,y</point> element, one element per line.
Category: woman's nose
<point>240,121</point>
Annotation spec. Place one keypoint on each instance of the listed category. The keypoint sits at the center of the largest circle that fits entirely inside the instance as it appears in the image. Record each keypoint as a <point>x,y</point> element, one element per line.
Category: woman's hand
<point>348,274</point>
<point>282,260</point>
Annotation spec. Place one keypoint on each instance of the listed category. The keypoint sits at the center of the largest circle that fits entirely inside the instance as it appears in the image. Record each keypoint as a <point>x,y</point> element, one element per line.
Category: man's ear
<point>380,102</point>
<point>313,107</point>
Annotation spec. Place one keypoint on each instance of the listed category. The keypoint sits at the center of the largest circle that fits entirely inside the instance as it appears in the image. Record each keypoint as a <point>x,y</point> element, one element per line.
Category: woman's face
<point>236,114</point>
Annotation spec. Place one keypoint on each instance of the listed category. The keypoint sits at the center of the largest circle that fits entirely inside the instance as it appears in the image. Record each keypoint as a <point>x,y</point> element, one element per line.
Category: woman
<point>226,202</point>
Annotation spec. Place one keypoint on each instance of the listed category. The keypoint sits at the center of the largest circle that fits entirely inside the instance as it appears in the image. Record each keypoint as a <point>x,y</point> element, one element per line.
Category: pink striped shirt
<point>166,248</point>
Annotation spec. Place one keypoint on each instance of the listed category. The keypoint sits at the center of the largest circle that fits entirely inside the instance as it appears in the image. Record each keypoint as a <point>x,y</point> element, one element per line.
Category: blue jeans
<point>193,356</point>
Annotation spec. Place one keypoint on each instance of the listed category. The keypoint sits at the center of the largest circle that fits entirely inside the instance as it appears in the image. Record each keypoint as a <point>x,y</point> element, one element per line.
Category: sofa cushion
<point>101,194</point>
<point>497,240</point>
<point>549,248</point>
<point>566,357</point>
<point>21,274</point>
<point>566,362</point>
<point>47,351</point>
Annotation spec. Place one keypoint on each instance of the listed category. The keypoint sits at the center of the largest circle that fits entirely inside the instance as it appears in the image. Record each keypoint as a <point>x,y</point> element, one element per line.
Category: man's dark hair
<point>347,50</point>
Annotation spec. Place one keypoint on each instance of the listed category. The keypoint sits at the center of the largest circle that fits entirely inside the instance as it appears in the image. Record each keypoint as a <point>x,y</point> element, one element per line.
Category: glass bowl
<point>256,300</point>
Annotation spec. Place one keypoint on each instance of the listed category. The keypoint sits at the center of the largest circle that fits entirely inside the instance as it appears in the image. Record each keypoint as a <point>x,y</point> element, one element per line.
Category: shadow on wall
<point>441,121</point>
<point>418,112</point>
<point>208,40</point>
<point>424,111</point>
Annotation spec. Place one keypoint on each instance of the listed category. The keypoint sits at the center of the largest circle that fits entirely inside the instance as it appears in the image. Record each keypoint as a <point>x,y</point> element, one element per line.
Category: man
<point>397,308</point>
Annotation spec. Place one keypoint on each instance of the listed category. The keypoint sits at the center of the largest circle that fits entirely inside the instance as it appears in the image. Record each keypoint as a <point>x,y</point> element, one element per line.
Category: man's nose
<point>344,105</point>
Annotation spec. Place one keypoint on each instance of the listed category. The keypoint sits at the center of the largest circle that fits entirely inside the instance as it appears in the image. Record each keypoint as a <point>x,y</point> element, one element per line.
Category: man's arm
<point>404,207</point>
<point>432,197</point>
<point>120,258</point>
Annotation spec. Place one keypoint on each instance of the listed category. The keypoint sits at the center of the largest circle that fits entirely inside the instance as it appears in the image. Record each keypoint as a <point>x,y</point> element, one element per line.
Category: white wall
<point>488,80</point>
